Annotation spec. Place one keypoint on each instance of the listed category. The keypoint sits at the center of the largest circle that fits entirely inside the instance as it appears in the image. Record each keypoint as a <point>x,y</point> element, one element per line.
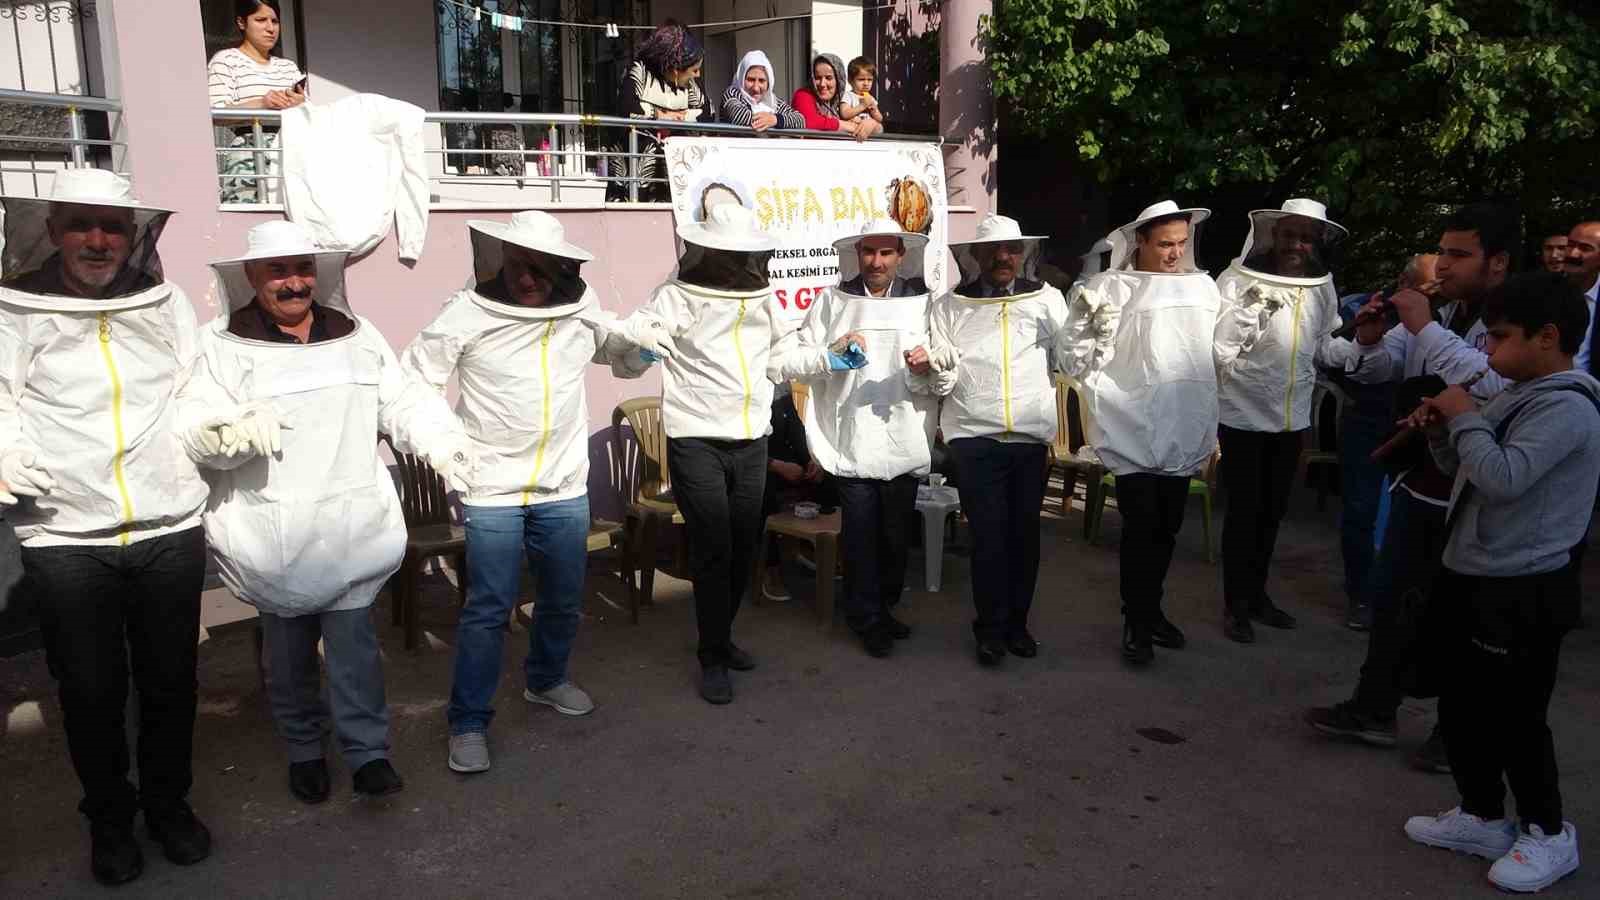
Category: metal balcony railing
<point>27,147</point>
<point>560,158</point>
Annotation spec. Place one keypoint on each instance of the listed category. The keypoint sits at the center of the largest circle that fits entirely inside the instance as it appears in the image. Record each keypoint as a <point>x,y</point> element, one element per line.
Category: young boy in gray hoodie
<point>1526,468</point>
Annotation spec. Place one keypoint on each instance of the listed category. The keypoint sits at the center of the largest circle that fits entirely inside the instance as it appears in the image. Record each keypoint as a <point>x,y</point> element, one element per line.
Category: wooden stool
<point>822,533</point>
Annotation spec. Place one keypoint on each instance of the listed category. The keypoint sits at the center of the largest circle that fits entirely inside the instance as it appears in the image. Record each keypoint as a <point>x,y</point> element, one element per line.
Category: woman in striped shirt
<point>752,99</point>
<point>250,77</point>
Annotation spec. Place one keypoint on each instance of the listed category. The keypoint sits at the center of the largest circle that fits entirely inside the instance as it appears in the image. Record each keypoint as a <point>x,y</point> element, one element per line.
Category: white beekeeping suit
<point>314,524</point>
<point>521,368</point>
<point>876,421</point>
<point>1004,340</point>
<point>86,385</point>
<point>1146,349</point>
<point>1282,277</point>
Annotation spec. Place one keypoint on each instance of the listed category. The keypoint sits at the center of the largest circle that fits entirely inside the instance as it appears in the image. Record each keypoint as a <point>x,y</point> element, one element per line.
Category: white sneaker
<point>1463,833</point>
<point>1537,861</point>
<point>469,752</point>
<point>567,698</point>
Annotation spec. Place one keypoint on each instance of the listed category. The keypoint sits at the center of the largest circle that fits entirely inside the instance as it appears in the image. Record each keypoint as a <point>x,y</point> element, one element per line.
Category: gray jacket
<point>1533,493</point>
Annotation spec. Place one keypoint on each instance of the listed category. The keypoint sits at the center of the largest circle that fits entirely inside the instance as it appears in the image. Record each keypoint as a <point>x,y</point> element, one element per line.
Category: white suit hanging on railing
<point>352,165</point>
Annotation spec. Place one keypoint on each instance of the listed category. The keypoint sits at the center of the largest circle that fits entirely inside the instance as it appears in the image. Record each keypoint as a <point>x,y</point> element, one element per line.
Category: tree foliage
<point>1390,110</point>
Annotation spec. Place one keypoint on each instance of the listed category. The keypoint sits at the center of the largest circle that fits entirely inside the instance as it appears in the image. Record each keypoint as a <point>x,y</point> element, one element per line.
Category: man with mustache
<point>994,341</point>
<point>1147,338</point>
<point>871,428</point>
<point>519,342</point>
<point>1581,263</point>
<point>1281,281</point>
<point>93,344</point>
<point>288,396</point>
<point>1475,253</point>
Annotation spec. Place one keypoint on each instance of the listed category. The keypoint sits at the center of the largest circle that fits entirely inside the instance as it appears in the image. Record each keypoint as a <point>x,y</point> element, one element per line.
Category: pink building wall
<point>162,85</point>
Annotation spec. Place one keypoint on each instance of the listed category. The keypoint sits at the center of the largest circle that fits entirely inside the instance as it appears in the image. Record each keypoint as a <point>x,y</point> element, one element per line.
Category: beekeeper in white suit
<point>871,428</point>
<point>519,342</point>
<point>1145,344</point>
<point>283,410</point>
<point>995,338</point>
<point>93,342</point>
<point>1280,285</point>
<point>715,326</point>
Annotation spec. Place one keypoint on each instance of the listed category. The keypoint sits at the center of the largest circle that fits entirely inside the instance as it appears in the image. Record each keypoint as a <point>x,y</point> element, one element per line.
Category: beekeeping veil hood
<point>111,246</point>
<point>973,257</point>
<point>727,251</point>
<point>280,239</point>
<point>1094,259</point>
<point>1292,244</point>
<point>553,256</point>
<point>1125,243</point>
<point>910,263</point>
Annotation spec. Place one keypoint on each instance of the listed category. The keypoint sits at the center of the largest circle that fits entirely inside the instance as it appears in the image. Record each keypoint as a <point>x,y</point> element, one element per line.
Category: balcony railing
<point>31,142</point>
<point>538,159</point>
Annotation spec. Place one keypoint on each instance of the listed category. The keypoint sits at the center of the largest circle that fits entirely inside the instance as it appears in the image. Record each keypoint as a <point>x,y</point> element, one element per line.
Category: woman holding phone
<point>249,76</point>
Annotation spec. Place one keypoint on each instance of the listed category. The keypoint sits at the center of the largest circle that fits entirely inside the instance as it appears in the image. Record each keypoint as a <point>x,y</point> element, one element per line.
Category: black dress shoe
<point>1238,629</point>
<point>114,855</point>
<point>1023,645</point>
<point>1165,634</point>
<point>897,629</point>
<point>738,660</point>
<point>309,780</point>
<point>183,838</point>
<point>878,639</point>
<point>990,653</point>
<point>715,685</point>
<point>1272,616</point>
<point>1136,644</point>
<point>377,778</point>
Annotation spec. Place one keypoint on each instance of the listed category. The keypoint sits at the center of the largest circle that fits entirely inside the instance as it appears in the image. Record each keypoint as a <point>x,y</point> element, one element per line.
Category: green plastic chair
<point>1201,485</point>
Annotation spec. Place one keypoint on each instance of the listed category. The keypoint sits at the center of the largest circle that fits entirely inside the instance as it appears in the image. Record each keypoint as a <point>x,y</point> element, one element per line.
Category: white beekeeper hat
<point>996,229</point>
<point>1124,241</point>
<point>910,264</point>
<point>728,227</point>
<point>1259,244</point>
<point>274,240</point>
<point>535,230</point>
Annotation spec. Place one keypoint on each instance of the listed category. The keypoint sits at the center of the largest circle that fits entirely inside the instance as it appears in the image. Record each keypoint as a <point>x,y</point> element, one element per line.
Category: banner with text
<point>811,193</point>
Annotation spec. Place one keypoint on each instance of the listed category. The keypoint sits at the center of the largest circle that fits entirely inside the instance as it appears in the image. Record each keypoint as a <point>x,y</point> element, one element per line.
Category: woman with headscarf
<point>660,85</point>
<point>752,99</point>
<point>819,103</point>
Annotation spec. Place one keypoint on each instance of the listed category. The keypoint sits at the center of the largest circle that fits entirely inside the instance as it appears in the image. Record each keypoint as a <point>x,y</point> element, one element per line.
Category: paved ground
<point>834,774</point>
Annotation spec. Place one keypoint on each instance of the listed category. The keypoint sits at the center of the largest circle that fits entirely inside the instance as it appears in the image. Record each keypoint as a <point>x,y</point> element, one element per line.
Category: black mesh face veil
<point>974,260</point>
<point>489,269</point>
<point>724,270</point>
<point>83,251</point>
<point>911,262</point>
<point>1290,246</point>
<point>236,290</point>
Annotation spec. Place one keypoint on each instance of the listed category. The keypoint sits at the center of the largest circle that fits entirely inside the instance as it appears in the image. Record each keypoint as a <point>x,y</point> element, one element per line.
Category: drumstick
<point>1404,435</point>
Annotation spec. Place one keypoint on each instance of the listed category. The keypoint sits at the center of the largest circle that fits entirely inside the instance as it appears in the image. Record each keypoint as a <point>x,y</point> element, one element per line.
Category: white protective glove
<point>21,477</point>
<point>455,462</point>
<point>259,431</point>
<point>217,437</point>
<point>647,333</point>
<point>1103,322</point>
<point>943,358</point>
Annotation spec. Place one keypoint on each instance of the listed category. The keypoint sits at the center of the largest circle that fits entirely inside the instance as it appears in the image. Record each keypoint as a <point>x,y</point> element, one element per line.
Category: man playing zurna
<point>93,343</point>
<point>1264,396</point>
<point>994,340</point>
<point>284,408</point>
<point>871,427</point>
<point>518,342</point>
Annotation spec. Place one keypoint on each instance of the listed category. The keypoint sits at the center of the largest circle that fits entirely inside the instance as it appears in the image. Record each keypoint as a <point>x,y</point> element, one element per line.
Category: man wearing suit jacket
<point>998,273</point>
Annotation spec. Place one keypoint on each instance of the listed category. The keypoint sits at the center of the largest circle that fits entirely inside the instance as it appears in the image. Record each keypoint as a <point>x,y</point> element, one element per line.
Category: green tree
<point>1390,110</point>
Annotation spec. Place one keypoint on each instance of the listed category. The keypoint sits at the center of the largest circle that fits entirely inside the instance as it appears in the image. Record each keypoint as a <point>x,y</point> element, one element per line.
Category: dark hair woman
<point>819,103</point>
<point>250,76</point>
<point>660,85</point>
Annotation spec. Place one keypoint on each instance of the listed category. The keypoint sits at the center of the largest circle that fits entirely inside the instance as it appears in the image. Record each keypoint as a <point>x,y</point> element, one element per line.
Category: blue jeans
<point>555,536</point>
<point>1360,488</point>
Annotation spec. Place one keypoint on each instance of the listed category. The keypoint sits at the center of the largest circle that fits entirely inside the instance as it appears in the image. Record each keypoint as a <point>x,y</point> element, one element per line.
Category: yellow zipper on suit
<point>1294,356</point>
<point>1005,361</point>
<point>744,373</point>
<point>116,424</point>
<point>544,433</point>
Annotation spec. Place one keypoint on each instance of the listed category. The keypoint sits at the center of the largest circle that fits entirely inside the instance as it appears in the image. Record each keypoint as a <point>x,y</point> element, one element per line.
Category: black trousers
<point>1408,630</point>
<point>718,486</point>
<point>1258,473</point>
<point>1002,490</point>
<point>99,608</point>
<point>1152,515</point>
<point>876,518</point>
<point>1505,647</point>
